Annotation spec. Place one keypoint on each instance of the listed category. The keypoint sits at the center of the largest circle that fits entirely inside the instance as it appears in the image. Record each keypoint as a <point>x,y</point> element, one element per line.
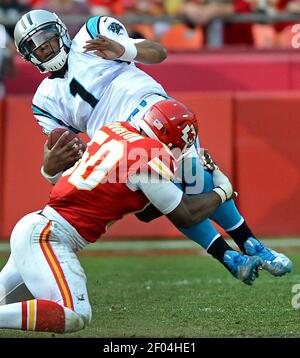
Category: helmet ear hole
<point>181,125</point>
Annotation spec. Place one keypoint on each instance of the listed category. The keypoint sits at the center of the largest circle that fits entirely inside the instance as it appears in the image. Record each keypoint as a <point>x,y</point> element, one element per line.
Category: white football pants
<point>43,264</point>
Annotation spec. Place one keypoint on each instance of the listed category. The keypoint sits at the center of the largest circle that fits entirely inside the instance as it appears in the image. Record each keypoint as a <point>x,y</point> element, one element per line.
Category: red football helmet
<point>172,123</point>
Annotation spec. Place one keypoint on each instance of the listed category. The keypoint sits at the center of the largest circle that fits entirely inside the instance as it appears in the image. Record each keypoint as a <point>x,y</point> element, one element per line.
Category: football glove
<point>222,185</point>
<point>208,162</point>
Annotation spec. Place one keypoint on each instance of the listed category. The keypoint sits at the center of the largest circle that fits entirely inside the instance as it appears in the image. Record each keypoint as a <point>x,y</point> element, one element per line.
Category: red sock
<point>43,316</point>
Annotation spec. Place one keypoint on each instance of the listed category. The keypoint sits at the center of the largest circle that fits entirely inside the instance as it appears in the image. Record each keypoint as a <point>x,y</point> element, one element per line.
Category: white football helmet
<point>34,29</point>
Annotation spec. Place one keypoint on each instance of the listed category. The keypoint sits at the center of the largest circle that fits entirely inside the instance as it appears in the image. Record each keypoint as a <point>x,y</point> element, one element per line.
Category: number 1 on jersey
<point>77,88</point>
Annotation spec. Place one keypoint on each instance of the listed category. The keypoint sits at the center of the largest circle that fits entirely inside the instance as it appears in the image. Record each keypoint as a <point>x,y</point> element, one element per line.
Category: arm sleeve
<point>162,193</point>
<point>107,26</point>
<point>113,29</point>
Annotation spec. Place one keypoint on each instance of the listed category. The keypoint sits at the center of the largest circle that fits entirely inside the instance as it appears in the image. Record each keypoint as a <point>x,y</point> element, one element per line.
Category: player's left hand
<point>104,47</point>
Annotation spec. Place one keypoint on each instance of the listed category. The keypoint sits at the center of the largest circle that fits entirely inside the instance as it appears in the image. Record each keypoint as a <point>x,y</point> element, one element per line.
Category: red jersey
<point>94,193</point>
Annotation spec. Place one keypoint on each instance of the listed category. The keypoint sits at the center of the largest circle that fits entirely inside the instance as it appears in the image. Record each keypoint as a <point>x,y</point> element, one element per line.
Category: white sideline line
<point>166,245</point>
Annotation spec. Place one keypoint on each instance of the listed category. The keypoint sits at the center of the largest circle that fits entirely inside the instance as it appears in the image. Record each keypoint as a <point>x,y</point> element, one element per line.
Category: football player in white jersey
<point>93,81</point>
<point>87,89</point>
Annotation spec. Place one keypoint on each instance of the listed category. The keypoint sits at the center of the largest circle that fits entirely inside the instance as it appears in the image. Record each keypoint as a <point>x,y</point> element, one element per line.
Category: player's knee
<point>86,316</point>
<point>79,319</point>
<point>73,321</point>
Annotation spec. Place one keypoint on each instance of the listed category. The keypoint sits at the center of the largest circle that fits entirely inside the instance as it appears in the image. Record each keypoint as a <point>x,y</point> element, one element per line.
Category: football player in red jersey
<point>120,161</point>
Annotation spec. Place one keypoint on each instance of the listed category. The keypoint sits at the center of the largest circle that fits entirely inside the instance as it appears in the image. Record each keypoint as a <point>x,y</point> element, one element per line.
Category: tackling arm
<point>194,208</point>
<point>191,210</point>
<point>149,214</point>
<point>182,210</point>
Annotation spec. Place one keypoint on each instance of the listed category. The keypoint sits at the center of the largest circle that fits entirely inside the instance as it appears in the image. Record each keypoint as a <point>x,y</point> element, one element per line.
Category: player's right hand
<point>61,156</point>
<point>207,160</point>
<point>222,185</point>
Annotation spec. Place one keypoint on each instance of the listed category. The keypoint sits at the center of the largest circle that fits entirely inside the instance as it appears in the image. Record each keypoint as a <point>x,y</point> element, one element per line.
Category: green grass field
<point>182,296</point>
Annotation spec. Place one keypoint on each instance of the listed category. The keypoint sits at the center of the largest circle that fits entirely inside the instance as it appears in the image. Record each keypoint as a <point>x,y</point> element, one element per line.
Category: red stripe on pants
<point>24,315</point>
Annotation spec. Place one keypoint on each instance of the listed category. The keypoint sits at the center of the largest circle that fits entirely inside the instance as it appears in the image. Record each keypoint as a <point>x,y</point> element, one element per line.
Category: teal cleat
<point>275,263</point>
<point>243,267</point>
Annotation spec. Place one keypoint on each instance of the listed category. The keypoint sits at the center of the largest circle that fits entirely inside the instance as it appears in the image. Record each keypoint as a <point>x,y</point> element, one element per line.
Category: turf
<point>182,296</point>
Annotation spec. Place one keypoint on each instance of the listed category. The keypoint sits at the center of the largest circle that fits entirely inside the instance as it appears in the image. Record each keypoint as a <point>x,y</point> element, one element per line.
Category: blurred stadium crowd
<point>178,24</point>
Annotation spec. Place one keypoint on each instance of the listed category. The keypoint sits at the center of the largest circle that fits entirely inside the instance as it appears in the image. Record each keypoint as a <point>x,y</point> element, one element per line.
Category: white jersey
<point>94,91</point>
